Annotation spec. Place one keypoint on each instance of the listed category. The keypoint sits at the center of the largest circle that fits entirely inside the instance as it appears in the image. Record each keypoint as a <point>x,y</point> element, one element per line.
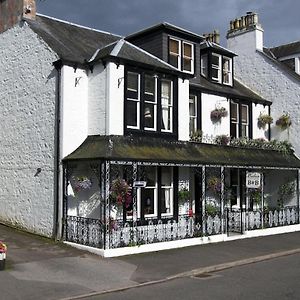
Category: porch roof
<point>154,150</point>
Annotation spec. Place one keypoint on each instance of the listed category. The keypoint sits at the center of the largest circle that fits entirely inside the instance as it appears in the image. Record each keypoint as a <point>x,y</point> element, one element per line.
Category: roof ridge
<point>78,25</point>
<point>117,47</point>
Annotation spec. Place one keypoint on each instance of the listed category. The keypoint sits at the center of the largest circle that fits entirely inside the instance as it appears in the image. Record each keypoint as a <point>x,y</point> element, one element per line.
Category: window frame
<point>193,118</point>
<point>216,67</point>
<point>169,106</point>
<point>239,122</point>
<point>229,71</point>
<point>181,56</point>
<point>137,100</point>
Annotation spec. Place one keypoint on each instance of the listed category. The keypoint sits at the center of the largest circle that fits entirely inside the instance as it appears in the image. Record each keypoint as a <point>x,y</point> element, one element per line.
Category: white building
<point>112,142</point>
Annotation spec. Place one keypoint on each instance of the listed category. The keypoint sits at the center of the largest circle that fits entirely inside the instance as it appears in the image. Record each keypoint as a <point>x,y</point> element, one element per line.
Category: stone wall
<point>27,136</point>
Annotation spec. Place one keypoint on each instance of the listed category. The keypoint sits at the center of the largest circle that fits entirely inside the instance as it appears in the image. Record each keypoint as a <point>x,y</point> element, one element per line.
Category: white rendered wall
<point>97,95</point>
<point>115,99</point>
<point>27,98</point>
<point>259,133</point>
<point>270,81</point>
<point>183,110</point>
<point>209,103</point>
<point>74,108</point>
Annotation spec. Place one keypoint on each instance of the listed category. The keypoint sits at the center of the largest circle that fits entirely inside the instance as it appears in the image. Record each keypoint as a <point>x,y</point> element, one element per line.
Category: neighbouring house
<point>139,143</point>
<point>271,72</point>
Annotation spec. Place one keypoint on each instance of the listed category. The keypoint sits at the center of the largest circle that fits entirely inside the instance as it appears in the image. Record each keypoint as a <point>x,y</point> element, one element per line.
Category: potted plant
<point>263,120</point>
<point>196,136</point>
<point>183,195</point>
<point>284,121</point>
<point>285,192</point>
<point>222,139</point>
<point>214,185</point>
<point>82,183</point>
<point>217,114</point>
<point>3,250</point>
<point>120,193</point>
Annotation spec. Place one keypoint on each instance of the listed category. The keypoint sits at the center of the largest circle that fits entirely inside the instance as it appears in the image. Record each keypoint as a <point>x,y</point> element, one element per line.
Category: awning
<point>141,149</point>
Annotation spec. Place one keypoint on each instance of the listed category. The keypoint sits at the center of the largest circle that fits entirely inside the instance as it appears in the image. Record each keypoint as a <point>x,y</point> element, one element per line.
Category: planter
<point>3,250</point>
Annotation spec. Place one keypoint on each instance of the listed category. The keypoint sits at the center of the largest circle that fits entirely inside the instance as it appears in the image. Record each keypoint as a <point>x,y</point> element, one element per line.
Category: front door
<point>237,202</point>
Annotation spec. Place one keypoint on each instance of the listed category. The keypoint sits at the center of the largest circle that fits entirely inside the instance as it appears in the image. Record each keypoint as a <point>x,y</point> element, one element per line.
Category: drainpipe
<point>57,224</point>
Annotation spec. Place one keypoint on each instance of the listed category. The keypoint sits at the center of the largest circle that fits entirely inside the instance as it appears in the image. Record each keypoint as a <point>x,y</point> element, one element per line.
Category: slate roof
<point>166,26</point>
<point>70,41</point>
<point>126,148</point>
<point>286,49</point>
<point>238,90</point>
<point>269,55</point>
<point>125,51</point>
<point>208,44</point>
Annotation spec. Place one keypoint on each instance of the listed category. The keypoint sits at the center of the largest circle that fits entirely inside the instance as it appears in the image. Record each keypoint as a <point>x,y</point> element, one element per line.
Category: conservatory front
<point>127,195</point>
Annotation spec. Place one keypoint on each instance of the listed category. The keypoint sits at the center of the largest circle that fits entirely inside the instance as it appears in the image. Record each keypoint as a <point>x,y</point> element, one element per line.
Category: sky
<point>279,18</point>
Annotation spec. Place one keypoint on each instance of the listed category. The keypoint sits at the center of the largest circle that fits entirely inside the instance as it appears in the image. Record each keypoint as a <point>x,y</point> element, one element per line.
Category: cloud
<point>280,19</point>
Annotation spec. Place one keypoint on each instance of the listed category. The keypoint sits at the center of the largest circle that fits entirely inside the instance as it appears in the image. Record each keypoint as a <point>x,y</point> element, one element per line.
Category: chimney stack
<point>213,37</point>
<point>244,25</point>
<point>13,11</point>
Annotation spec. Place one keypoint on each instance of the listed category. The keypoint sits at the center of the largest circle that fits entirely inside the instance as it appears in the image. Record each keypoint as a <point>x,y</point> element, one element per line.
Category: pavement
<point>39,268</point>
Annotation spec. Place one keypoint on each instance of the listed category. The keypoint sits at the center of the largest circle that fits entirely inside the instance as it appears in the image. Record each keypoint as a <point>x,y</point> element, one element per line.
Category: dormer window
<point>181,55</point>
<point>217,68</point>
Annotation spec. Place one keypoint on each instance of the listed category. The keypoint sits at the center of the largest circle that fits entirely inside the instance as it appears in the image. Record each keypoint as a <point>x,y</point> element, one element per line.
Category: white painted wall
<point>115,99</point>
<point>183,110</point>
<point>27,99</point>
<point>97,94</point>
<point>259,133</point>
<point>269,80</point>
<point>209,103</point>
<point>74,108</point>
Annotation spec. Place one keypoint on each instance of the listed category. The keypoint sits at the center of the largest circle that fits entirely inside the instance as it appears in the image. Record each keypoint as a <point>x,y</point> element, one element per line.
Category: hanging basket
<point>284,122</point>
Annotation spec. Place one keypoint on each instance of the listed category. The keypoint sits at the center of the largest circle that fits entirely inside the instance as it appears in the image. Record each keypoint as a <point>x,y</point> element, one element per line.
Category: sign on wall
<point>253,180</point>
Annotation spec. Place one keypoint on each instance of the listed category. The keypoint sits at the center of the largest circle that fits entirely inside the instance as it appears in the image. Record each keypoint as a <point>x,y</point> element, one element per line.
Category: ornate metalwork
<point>85,231</point>
<point>254,220</point>
<point>203,198</point>
<point>213,224</point>
<point>107,205</point>
<point>222,198</point>
<point>234,221</point>
<point>154,231</point>
<point>281,217</point>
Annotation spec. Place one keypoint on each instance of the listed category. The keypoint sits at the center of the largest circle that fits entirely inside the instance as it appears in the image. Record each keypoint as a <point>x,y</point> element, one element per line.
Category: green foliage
<point>183,195</point>
<point>263,120</point>
<point>211,209</point>
<point>285,192</point>
<point>196,136</point>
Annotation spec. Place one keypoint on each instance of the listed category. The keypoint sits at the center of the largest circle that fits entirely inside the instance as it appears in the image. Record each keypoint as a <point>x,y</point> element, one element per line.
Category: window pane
<point>149,115</point>
<point>166,105</point>
<point>244,130</point>
<point>149,85</point>
<point>234,111</point>
<point>204,65</point>
<point>131,113</point>
<point>187,64</point>
<point>132,81</point>
<point>192,105</point>
<point>166,176</point>
<point>244,114</point>
<point>233,130</point>
<point>173,60</point>
<point>166,92</point>
<point>215,60</point>
<point>187,50</point>
<point>215,73</point>
<point>150,176</point>
<point>166,200</point>
<point>148,199</point>
<point>174,46</point>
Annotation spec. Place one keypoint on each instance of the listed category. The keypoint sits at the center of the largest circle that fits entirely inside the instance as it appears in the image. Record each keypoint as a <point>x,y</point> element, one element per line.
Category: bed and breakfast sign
<point>253,180</point>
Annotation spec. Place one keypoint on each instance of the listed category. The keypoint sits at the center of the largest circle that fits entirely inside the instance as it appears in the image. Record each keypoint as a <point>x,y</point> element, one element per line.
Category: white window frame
<point>171,192</point>
<point>229,71</point>
<point>247,123</point>
<point>217,67</point>
<point>138,101</point>
<point>169,106</point>
<point>236,122</point>
<point>188,57</point>
<point>154,104</point>
<point>193,118</point>
<point>155,199</point>
<point>176,54</point>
